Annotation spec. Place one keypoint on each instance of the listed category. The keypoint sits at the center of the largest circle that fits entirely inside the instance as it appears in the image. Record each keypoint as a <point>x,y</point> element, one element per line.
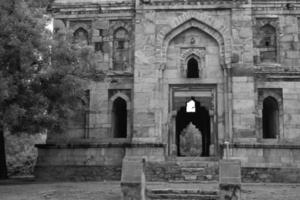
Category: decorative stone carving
<point>197,53</point>
<point>116,24</point>
<point>266,39</point>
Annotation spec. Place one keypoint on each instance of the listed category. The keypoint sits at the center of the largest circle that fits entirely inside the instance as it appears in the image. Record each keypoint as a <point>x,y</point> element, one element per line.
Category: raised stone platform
<point>90,160</point>
<point>183,169</point>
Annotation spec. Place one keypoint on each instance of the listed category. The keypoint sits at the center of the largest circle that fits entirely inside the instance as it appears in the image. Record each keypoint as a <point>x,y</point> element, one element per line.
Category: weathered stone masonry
<point>238,60</point>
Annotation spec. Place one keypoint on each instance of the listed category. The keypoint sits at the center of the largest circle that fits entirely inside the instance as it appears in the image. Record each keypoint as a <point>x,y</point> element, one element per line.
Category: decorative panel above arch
<point>206,24</point>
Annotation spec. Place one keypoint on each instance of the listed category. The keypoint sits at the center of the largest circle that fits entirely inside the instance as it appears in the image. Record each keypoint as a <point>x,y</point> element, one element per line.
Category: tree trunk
<point>3,169</point>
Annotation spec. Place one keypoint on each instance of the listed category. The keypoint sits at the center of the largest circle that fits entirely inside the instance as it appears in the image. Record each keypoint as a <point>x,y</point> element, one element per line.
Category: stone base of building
<point>266,155</point>
<point>183,169</point>
<point>270,175</point>
<point>268,162</point>
<point>78,173</point>
<point>82,160</point>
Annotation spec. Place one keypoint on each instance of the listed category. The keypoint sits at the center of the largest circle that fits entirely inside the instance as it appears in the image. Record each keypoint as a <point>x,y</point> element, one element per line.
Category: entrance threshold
<point>195,159</point>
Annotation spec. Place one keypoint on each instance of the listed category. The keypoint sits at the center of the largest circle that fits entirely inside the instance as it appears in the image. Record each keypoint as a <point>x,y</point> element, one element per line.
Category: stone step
<point>192,169</point>
<point>197,177</point>
<point>197,164</point>
<point>179,197</point>
<point>183,191</point>
<point>194,181</point>
<point>182,194</point>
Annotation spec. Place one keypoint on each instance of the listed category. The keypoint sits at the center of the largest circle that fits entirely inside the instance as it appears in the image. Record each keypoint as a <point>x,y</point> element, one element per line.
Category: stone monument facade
<point>238,61</point>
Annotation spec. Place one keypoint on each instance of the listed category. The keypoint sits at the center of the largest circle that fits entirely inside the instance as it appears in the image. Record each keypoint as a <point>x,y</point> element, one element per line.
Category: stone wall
<point>81,154</point>
<point>78,173</point>
<point>243,112</point>
<point>174,171</point>
<point>291,103</point>
<point>267,155</point>
<point>80,162</point>
<point>270,174</point>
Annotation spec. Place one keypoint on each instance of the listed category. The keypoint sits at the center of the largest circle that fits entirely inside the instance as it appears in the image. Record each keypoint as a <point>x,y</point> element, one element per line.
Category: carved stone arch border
<point>115,25</point>
<point>121,95</point>
<point>260,22</point>
<point>184,64</point>
<point>198,54</point>
<point>128,107</point>
<point>83,26</point>
<point>263,93</point>
<point>80,25</point>
<point>198,20</point>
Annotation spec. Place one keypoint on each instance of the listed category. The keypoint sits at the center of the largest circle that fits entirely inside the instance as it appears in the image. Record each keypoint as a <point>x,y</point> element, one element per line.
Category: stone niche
<point>270,113</point>
<point>265,39</point>
<point>121,43</point>
<point>119,113</point>
<point>194,44</point>
<point>192,53</point>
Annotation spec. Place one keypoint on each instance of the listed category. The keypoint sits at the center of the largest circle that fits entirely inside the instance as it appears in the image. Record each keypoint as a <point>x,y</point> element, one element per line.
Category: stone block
<point>230,172</point>
<point>243,105</point>
<point>292,54</point>
<point>133,181</point>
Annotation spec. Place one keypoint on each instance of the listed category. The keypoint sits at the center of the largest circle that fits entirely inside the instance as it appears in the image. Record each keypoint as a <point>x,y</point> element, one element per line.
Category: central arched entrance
<point>193,131</point>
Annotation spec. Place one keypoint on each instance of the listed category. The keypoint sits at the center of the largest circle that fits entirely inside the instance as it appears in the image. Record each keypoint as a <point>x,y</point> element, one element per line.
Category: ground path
<point>112,191</point>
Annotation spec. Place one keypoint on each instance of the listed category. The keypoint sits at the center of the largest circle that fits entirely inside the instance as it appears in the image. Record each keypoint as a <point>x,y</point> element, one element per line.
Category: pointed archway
<point>119,121</point>
<point>193,131</point>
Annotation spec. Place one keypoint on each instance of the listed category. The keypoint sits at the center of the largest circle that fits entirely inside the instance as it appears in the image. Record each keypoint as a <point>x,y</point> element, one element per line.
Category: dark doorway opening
<point>119,118</point>
<point>270,118</point>
<point>190,128</point>
<point>192,68</point>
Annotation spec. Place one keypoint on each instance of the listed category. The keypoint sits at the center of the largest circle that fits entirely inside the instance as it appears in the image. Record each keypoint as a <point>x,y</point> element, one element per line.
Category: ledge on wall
<point>86,143</point>
<point>263,146</point>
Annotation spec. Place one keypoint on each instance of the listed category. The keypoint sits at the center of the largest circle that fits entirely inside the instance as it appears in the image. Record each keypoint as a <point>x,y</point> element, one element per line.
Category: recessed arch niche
<point>202,56</point>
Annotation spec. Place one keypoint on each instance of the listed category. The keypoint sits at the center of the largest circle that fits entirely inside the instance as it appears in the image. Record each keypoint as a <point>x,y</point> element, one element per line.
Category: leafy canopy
<point>41,79</point>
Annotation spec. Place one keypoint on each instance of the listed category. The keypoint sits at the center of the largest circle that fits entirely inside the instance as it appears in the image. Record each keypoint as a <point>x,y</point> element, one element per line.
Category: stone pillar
<point>133,178</point>
<point>230,179</point>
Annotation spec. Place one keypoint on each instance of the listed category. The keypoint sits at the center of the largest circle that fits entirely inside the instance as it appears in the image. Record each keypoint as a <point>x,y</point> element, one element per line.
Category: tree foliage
<point>41,79</point>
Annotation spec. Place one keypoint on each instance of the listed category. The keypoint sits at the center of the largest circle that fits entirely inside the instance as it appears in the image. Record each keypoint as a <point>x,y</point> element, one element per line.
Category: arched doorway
<point>119,118</point>
<point>270,118</point>
<point>193,131</point>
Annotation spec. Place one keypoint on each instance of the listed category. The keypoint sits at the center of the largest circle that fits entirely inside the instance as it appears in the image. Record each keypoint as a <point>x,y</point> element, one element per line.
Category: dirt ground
<point>112,191</point>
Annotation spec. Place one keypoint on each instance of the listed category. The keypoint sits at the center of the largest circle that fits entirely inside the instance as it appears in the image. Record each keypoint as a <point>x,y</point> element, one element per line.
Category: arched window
<point>192,68</point>
<point>268,43</point>
<point>119,118</point>
<point>81,36</point>
<point>121,49</point>
<point>270,118</point>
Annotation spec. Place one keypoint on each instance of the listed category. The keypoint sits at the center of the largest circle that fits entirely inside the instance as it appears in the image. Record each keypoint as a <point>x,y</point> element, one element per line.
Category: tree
<point>41,79</point>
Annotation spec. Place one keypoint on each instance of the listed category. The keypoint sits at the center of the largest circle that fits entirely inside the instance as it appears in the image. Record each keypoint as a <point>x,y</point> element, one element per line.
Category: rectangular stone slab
<point>230,171</point>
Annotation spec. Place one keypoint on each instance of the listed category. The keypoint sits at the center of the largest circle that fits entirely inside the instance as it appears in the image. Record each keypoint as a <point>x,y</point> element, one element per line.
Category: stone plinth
<point>133,178</point>
<point>80,161</point>
<point>230,179</point>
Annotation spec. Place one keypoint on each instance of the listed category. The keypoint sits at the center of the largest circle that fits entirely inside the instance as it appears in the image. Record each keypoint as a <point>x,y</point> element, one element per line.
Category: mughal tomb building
<point>176,80</point>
